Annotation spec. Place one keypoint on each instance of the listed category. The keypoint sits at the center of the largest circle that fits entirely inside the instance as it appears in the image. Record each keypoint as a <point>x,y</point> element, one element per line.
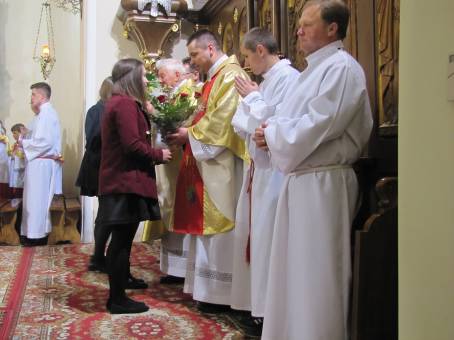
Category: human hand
<point>149,107</point>
<point>3,139</point>
<point>259,137</point>
<point>245,86</point>
<point>180,137</point>
<point>166,155</point>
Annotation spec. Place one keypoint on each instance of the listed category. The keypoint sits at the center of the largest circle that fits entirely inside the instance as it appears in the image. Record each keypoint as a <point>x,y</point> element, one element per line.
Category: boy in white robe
<point>255,222</point>
<point>16,163</point>
<point>4,170</point>
<point>43,177</point>
<point>320,130</point>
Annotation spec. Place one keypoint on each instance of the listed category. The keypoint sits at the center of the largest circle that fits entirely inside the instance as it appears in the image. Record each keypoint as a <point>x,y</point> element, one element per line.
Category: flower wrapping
<point>173,109</point>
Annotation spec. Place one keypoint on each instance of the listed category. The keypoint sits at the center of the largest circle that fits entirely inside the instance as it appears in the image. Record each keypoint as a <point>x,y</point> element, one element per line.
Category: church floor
<point>47,293</point>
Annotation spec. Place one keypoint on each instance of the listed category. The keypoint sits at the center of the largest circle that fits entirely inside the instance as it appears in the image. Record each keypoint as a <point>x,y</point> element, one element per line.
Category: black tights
<point>118,259</point>
<point>102,233</point>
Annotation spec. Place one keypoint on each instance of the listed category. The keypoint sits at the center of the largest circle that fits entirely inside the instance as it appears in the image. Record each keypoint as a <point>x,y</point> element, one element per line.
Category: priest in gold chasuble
<point>211,173</point>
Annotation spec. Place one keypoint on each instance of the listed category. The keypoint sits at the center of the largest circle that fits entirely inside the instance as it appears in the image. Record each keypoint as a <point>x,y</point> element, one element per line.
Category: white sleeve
<point>252,111</point>
<point>292,140</point>
<point>41,142</point>
<point>203,152</point>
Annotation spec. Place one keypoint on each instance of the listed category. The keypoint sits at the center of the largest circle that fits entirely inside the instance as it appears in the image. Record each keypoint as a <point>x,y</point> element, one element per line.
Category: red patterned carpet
<point>46,293</point>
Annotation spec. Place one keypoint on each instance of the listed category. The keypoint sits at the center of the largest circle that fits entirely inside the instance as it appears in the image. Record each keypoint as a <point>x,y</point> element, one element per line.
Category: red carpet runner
<point>48,294</point>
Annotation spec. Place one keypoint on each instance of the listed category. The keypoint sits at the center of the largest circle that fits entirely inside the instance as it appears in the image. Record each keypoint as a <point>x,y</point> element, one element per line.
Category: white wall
<point>102,45</point>
<point>18,27</point>
<point>426,172</point>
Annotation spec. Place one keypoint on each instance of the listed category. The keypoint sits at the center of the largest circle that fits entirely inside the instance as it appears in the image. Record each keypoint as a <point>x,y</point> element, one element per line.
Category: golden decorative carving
<point>294,14</point>
<point>387,21</point>
<point>243,25</point>
<point>235,15</point>
<point>266,15</point>
<point>175,28</point>
<point>227,40</point>
<point>220,28</point>
<point>351,40</point>
<point>149,33</point>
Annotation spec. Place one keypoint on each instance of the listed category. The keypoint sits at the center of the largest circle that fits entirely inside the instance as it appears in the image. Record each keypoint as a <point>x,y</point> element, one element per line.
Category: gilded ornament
<point>220,28</point>
<point>235,15</point>
<point>175,28</point>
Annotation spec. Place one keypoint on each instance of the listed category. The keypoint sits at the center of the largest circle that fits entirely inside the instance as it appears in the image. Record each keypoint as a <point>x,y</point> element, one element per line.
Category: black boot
<point>134,283</point>
<point>212,308</point>
<point>125,306</point>
<point>97,265</point>
<point>170,279</point>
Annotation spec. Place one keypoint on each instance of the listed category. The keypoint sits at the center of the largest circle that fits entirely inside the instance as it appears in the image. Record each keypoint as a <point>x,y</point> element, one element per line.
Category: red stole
<point>189,198</point>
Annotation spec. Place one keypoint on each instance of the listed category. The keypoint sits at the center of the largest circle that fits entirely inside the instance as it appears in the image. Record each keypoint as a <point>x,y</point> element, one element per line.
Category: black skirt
<point>126,209</point>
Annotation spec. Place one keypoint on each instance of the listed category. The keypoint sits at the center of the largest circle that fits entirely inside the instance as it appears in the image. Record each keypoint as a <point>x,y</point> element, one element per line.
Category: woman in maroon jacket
<point>127,188</point>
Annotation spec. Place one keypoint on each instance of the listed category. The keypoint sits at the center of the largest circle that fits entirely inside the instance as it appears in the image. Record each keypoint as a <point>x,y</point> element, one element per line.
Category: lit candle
<point>45,51</point>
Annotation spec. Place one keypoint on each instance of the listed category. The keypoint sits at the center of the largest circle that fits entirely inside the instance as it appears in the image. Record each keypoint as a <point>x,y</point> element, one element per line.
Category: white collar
<point>213,69</point>
<point>43,107</point>
<point>276,67</point>
<point>324,52</point>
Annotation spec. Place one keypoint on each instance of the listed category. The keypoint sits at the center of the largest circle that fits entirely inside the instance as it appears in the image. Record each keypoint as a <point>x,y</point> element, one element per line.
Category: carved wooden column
<point>147,31</point>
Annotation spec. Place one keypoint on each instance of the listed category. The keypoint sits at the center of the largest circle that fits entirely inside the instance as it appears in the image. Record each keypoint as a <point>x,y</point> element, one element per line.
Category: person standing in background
<point>88,178</point>
<point>16,163</point>
<point>43,171</point>
<point>4,170</point>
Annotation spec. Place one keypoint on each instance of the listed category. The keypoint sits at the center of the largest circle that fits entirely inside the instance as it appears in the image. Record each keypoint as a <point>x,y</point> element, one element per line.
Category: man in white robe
<point>318,132</point>
<point>255,222</point>
<point>43,176</point>
<point>174,247</point>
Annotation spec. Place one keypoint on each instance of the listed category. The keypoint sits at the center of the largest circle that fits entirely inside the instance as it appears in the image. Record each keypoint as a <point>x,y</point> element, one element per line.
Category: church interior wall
<point>426,172</point>
<point>19,21</point>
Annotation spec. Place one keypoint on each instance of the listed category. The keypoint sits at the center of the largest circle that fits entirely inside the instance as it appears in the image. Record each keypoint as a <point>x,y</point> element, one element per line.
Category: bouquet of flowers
<point>173,109</point>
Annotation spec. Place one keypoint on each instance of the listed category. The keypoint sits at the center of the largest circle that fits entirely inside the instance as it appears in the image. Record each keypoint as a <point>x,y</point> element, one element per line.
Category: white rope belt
<point>319,169</point>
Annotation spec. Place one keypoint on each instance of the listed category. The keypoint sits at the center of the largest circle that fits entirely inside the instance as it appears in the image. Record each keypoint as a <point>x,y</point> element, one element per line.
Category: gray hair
<point>171,65</point>
<point>260,36</point>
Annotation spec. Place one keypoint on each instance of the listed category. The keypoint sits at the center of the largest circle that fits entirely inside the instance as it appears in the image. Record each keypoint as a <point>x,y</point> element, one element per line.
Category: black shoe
<point>126,306</point>
<point>211,308</point>
<point>134,283</point>
<point>169,280</point>
<point>96,265</point>
<point>33,242</point>
<point>251,326</point>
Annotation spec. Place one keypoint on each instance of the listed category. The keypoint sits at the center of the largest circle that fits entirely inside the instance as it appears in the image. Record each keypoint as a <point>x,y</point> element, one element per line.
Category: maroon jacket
<point>127,158</point>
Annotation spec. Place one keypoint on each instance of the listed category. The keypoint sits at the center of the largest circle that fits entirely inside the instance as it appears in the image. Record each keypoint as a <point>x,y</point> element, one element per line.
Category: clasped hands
<point>245,86</point>
<point>259,137</point>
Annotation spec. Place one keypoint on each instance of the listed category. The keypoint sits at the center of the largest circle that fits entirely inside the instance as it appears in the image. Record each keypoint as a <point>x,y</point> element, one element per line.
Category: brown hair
<point>17,127</point>
<point>43,87</point>
<point>105,91</point>
<point>204,37</point>
<point>127,79</point>
<point>260,36</point>
<point>333,11</point>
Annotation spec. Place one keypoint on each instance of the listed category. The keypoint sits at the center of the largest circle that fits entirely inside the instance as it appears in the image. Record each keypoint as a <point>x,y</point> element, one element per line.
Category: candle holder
<point>46,58</point>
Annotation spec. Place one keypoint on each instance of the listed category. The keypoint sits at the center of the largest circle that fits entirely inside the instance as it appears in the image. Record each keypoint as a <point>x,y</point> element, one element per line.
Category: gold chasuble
<point>205,199</point>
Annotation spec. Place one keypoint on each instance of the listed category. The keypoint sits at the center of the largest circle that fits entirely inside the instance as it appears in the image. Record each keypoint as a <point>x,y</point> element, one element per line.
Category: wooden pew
<point>57,217</point>
<point>72,215</point>
<point>374,305</point>
<point>8,217</point>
